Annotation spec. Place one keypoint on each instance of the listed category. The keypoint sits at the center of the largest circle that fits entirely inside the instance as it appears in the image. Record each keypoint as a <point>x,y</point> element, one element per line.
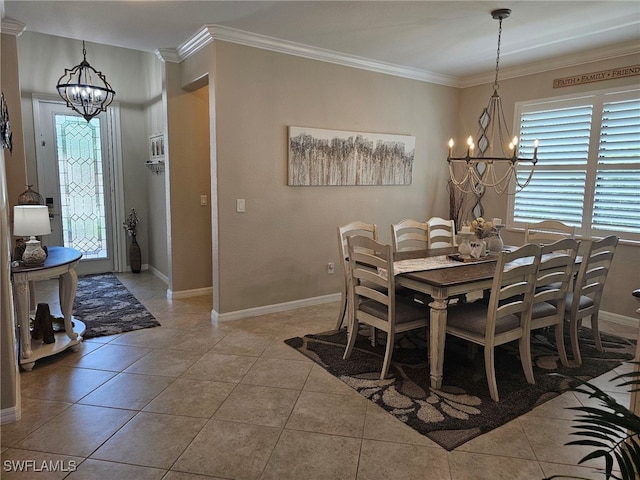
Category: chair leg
<point>342,311</point>
<point>525,358</point>
<point>596,331</point>
<point>575,343</point>
<point>351,339</point>
<point>489,366</point>
<point>387,355</point>
<point>562,352</point>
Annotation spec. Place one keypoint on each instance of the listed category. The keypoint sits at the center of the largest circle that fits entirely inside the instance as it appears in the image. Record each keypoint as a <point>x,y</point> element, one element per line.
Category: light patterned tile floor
<point>195,400</point>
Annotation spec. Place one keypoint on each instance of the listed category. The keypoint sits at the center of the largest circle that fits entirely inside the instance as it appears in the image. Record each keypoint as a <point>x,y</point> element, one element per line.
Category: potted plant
<point>612,429</point>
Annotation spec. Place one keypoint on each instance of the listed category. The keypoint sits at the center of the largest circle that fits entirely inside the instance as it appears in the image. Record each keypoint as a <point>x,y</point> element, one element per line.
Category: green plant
<point>612,429</point>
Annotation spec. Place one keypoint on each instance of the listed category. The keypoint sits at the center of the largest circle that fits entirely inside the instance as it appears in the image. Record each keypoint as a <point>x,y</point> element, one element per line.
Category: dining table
<point>445,277</point>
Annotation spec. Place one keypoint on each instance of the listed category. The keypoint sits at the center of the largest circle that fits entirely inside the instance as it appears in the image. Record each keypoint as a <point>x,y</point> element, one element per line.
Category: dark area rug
<point>106,307</point>
<point>463,408</point>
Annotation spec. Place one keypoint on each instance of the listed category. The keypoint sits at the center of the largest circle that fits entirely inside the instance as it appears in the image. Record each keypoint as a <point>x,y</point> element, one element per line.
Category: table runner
<point>427,263</point>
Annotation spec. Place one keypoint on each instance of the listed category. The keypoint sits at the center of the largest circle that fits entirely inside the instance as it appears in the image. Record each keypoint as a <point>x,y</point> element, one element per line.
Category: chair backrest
<point>409,235</point>
<point>442,233</point>
<point>547,231</point>
<point>555,272</point>
<point>513,287</point>
<point>371,275</point>
<point>596,262</point>
<point>353,228</point>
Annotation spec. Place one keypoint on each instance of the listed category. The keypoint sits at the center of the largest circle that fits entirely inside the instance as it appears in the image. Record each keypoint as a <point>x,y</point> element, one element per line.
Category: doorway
<point>77,178</point>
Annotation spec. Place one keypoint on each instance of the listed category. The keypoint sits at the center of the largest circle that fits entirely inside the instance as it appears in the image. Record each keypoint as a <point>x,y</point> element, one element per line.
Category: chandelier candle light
<point>85,90</point>
<point>480,169</point>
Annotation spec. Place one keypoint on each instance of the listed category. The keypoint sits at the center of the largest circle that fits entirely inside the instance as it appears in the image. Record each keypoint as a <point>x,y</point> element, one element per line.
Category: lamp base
<point>33,255</point>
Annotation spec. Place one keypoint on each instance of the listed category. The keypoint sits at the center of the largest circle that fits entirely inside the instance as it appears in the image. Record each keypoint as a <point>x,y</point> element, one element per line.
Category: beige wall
<point>10,187</point>
<point>625,272</point>
<point>188,176</point>
<point>279,249</point>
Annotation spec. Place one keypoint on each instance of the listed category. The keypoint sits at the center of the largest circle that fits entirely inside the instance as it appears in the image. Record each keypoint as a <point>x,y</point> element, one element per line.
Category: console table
<point>61,262</point>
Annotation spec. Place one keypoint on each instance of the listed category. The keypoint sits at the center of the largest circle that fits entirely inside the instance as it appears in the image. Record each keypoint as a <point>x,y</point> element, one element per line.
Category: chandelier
<point>486,168</point>
<point>85,89</point>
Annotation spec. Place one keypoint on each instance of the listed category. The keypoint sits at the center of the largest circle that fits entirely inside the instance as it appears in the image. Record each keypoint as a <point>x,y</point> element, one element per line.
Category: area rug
<point>106,307</point>
<point>462,409</point>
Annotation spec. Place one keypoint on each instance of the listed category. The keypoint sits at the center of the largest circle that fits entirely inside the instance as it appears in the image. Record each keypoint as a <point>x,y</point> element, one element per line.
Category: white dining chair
<point>352,228</point>
<point>584,300</point>
<point>507,317</point>
<point>409,234</point>
<point>554,279</point>
<point>547,231</point>
<point>373,298</point>
<point>442,233</point>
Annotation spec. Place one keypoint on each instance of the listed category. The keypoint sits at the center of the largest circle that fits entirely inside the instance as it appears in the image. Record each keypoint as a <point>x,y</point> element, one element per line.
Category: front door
<point>74,177</point>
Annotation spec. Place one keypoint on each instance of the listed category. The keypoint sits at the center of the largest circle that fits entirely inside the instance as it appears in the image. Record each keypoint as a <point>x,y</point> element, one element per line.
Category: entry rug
<point>462,409</point>
<point>106,307</point>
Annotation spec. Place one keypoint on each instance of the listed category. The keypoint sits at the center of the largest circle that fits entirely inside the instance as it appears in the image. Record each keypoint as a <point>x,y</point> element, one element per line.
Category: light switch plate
<point>240,205</point>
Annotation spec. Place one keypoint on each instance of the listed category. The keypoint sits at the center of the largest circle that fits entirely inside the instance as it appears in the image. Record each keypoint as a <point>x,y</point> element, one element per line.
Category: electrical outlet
<point>331,267</point>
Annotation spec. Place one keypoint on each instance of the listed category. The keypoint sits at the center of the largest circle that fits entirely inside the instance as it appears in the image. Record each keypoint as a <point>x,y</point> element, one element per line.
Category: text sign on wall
<point>597,76</point>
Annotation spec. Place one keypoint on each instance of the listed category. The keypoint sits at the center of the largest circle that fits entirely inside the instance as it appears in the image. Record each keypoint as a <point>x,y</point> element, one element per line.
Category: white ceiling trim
<point>12,27</point>
<point>589,56</point>
<point>218,32</point>
<point>209,33</point>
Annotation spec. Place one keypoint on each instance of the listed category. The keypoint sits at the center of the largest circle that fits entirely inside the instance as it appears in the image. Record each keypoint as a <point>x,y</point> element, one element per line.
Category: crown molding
<point>556,63</point>
<point>168,55</point>
<point>208,33</point>
<point>12,27</point>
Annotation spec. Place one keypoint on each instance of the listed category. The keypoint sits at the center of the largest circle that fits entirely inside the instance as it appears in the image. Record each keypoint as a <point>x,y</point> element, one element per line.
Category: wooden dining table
<point>442,284</point>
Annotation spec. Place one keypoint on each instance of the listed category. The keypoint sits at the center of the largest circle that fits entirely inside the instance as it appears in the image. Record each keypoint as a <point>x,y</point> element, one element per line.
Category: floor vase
<point>135,255</point>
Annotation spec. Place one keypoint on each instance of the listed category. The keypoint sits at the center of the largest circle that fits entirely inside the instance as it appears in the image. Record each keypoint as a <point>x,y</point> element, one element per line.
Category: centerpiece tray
<point>469,259</point>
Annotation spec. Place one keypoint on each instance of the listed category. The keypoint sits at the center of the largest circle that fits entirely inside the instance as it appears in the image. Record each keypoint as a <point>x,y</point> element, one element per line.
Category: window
<point>588,171</point>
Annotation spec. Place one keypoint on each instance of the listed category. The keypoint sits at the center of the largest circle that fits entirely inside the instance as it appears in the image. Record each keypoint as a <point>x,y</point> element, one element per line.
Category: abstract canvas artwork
<point>335,157</point>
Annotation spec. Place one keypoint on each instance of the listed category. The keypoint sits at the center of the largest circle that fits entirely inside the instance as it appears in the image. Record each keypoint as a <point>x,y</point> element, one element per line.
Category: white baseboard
<point>189,293</point>
<point>278,307</point>
<point>10,415</point>
<point>159,274</point>
<point>619,319</point>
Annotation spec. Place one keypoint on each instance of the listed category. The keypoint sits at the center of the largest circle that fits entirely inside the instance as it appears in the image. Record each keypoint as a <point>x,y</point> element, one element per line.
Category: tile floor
<point>195,400</point>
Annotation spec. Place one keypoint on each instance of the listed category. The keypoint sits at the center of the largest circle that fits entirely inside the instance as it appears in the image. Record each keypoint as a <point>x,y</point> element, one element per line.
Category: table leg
<point>21,288</point>
<point>437,327</point>
<point>67,284</point>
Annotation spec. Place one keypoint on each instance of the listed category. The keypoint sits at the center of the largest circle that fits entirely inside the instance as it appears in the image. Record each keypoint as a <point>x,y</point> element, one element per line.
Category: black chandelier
<point>480,170</point>
<point>85,90</point>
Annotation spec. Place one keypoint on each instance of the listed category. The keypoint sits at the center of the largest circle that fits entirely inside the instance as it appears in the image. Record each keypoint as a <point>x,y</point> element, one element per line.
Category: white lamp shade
<point>31,220</point>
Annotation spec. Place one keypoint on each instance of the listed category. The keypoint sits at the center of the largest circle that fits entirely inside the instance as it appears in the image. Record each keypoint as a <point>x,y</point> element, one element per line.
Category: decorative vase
<point>464,248</point>
<point>495,241</point>
<point>135,255</point>
<point>478,248</point>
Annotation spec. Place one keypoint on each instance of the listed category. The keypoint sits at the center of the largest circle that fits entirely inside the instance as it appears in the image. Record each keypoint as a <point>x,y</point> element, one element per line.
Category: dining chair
<point>371,265</point>
<point>353,228</point>
<point>442,233</point>
<point>554,279</point>
<point>547,231</point>
<point>409,234</point>
<point>507,317</point>
<point>584,300</point>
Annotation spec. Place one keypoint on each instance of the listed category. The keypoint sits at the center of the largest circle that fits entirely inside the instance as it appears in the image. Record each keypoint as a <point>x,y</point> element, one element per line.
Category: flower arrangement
<point>130,223</point>
<point>481,228</point>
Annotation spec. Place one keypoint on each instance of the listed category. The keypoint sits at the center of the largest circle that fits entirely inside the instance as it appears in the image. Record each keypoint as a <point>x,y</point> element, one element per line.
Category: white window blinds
<point>588,171</point>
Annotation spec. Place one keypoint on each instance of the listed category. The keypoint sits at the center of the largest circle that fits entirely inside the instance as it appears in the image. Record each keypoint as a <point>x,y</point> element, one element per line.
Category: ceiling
<point>457,39</point>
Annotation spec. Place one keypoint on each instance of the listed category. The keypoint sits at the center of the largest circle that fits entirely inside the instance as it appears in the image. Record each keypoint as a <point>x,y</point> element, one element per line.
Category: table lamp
<point>29,221</point>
